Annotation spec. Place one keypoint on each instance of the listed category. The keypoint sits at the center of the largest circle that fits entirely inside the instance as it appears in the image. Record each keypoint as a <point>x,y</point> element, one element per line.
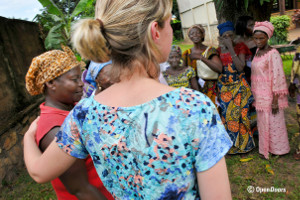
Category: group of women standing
<point>244,58</point>
<point>147,140</point>
<point>144,136</point>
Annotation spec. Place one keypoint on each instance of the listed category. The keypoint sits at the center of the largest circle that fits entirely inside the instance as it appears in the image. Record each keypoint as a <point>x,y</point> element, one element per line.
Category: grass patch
<point>25,188</point>
<point>183,46</point>
<point>287,65</point>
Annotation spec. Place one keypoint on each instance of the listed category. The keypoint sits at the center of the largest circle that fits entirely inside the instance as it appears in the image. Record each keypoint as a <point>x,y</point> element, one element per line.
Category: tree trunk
<point>232,9</point>
<point>282,7</point>
<point>261,12</point>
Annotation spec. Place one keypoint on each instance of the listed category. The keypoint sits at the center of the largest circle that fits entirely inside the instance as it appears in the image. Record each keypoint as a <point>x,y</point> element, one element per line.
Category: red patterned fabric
<point>239,48</point>
<point>52,117</point>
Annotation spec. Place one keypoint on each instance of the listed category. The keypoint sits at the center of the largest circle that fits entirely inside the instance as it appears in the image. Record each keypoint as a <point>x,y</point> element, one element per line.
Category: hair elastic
<point>101,25</point>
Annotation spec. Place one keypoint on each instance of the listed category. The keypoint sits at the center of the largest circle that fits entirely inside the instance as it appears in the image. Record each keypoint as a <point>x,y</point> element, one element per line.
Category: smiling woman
<point>57,75</point>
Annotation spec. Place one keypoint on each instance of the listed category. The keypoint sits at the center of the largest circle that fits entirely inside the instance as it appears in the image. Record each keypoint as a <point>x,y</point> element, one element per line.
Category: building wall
<point>199,12</point>
<point>19,43</point>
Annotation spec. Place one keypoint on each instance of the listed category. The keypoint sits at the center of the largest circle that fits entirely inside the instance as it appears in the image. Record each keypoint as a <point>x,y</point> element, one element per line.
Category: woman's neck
<point>176,68</point>
<point>199,45</point>
<point>56,104</point>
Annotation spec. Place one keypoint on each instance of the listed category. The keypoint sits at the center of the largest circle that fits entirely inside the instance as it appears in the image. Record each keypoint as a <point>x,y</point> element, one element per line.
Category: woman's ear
<point>155,32</point>
<point>51,85</point>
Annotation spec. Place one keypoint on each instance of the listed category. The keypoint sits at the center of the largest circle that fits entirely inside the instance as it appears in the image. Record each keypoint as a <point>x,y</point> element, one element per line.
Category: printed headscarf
<point>265,26</point>
<point>177,49</point>
<point>224,27</point>
<point>94,70</point>
<point>49,66</point>
<point>198,26</point>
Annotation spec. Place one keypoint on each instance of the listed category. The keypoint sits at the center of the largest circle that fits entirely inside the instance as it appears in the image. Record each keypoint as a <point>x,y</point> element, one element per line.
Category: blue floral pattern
<point>148,151</point>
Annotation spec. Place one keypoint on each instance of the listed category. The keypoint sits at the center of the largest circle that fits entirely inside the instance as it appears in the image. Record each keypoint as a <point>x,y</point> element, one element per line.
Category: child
<point>295,87</point>
<point>179,75</point>
<point>57,74</point>
<point>270,93</point>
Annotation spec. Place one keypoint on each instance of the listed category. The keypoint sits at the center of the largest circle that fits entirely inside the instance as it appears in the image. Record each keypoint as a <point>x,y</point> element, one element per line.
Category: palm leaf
<point>262,1</point>
<point>81,6</point>
<point>246,4</point>
<point>55,18</point>
<point>51,7</point>
<point>219,4</point>
<point>54,38</point>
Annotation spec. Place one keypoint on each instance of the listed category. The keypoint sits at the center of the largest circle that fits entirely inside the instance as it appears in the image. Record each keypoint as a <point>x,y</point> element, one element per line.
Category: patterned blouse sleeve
<point>210,142</point>
<point>279,85</point>
<point>68,138</point>
<point>241,48</point>
<point>212,52</point>
<point>191,73</point>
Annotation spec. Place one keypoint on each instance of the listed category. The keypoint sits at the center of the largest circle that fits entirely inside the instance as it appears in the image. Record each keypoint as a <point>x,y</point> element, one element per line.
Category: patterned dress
<point>181,80</point>
<point>210,86</point>
<point>268,79</point>
<point>235,98</point>
<point>148,151</point>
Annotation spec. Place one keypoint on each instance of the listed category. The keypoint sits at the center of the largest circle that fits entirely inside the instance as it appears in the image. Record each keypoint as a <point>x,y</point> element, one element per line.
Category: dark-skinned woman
<point>244,32</point>
<point>206,54</point>
<point>57,75</point>
<point>235,94</point>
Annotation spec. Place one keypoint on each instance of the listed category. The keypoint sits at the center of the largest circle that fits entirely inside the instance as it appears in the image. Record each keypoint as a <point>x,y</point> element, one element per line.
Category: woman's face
<point>103,78</point>
<point>260,39</point>
<point>228,34</point>
<point>69,86</point>
<point>250,26</point>
<point>166,40</point>
<point>174,59</point>
<point>196,35</point>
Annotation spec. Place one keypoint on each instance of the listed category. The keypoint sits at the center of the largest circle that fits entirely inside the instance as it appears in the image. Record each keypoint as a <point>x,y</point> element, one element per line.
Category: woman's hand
<point>275,107</point>
<point>227,42</point>
<point>194,56</point>
<point>31,132</point>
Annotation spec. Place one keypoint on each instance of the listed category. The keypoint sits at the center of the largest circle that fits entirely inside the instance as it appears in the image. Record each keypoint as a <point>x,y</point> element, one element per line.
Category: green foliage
<point>280,23</point>
<point>57,19</point>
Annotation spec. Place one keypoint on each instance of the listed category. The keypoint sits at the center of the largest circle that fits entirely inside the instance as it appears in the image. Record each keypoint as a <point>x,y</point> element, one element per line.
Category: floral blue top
<point>148,151</point>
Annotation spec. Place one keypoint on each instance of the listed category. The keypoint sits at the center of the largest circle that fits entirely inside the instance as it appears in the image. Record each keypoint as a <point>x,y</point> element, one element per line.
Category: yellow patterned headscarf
<point>49,66</point>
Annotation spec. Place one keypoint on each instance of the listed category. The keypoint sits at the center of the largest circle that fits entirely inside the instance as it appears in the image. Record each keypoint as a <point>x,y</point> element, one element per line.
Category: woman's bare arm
<point>214,63</point>
<point>75,179</point>
<point>194,84</point>
<point>214,183</point>
<point>47,166</point>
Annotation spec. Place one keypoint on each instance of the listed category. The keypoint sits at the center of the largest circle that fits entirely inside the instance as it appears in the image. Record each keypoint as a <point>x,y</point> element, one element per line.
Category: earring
<point>181,62</point>
<point>99,86</point>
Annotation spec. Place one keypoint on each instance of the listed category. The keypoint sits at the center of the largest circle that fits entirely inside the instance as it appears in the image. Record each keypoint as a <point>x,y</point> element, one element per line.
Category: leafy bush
<point>280,23</point>
<point>177,31</point>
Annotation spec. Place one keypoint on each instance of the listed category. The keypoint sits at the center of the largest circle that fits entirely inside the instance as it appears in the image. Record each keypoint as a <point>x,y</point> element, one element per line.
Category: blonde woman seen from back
<point>143,136</point>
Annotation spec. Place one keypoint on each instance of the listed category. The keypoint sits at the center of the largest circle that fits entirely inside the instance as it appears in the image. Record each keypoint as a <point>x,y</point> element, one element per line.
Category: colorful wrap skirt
<point>235,97</point>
